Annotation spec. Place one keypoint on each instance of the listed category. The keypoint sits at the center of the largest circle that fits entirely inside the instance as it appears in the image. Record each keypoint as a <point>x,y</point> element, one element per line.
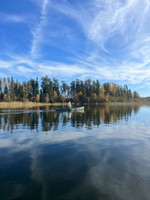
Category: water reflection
<point>47,119</point>
<point>111,162</point>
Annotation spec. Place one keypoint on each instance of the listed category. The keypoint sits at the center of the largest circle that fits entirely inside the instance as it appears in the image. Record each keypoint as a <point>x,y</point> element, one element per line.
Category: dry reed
<point>8,105</point>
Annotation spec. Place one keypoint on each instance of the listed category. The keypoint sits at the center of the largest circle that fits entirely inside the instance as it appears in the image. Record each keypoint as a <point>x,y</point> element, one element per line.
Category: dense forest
<point>50,90</point>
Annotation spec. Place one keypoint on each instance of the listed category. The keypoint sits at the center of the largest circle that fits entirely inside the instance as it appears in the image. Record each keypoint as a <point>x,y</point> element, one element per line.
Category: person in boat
<point>69,105</point>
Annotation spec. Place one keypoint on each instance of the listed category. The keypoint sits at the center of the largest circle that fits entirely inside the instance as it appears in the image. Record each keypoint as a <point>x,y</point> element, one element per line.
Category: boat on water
<point>67,109</point>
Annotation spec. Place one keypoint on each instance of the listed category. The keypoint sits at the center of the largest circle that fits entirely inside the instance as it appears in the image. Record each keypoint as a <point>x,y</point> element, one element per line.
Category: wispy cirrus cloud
<point>11,18</point>
<point>14,18</point>
<point>101,20</point>
<point>25,67</point>
<point>37,32</point>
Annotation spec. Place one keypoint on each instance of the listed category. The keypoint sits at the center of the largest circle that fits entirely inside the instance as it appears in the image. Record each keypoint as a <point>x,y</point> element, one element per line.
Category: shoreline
<point>124,103</point>
<point>9,105</point>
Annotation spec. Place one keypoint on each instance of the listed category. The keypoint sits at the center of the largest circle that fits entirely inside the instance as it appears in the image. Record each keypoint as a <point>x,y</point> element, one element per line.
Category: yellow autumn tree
<point>55,96</point>
<point>5,98</point>
<point>24,94</point>
<point>107,98</point>
<point>102,92</point>
<point>80,93</point>
<point>94,96</point>
<point>37,98</point>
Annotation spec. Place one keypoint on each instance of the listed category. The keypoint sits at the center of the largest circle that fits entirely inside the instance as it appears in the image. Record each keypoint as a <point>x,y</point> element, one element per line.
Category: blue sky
<point>68,39</point>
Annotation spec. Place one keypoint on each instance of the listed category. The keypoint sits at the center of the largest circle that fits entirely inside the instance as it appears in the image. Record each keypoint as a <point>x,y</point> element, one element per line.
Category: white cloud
<point>13,18</point>
<point>37,32</point>
<point>24,67</point>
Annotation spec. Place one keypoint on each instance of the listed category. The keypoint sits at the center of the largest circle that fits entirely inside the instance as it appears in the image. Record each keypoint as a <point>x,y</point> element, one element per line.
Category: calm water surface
<point>100,154</point>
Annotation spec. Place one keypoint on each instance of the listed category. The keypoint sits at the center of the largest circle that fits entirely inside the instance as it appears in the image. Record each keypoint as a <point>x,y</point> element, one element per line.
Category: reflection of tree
<point>49,120</point>
<point>11,121</point>
<point>96,115</point>
<point>46,120</point>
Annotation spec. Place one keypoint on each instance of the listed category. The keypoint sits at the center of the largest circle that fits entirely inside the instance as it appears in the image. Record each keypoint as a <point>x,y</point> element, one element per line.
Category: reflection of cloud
<point>133,131</point>
<point>5,143</point>
<point>27,141</point>
<point>119,180</point>
<point>121,169</point>
<point>115,165</point>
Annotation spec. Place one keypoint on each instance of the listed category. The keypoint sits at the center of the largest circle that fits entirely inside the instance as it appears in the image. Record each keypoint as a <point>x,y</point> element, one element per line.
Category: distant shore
<point>119,104</point>
<point>126,103</point>
<point>7,105</point>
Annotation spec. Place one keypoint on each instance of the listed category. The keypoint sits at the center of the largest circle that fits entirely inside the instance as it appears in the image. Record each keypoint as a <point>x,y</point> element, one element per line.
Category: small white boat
<point>78,109</point>
<point>70,109</point>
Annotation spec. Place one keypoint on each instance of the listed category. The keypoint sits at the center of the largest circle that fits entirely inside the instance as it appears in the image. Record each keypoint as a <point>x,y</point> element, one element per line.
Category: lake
<point>102,153</point>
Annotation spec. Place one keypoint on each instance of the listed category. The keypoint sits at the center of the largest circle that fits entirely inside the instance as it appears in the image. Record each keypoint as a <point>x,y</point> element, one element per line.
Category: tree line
<point>78,91</point>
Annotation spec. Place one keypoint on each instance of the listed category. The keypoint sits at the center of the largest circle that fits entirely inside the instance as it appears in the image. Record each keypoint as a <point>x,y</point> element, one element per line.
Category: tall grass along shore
<point>7,105</point>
